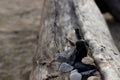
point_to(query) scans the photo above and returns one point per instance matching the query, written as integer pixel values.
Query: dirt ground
(19, 27)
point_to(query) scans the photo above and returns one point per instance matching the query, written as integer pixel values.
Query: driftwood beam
(96, 32)
(60, 21)
(57, 27)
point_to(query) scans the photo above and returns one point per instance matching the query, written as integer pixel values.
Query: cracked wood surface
(56, 25)
(99, 38)
(59, 19)
(19, 30)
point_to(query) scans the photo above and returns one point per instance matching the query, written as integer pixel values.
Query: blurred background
(19, 26)
(111, 12)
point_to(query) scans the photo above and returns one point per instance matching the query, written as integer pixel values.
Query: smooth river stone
(64, 67)
(75, 75)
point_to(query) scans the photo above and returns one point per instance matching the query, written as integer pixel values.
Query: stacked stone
(77, 62)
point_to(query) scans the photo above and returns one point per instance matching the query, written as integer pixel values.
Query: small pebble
(74, 75)
(93, 78)
(87, 60)
(64, 67)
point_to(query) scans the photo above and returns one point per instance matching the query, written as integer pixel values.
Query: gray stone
(66, 56)
(64, 67)
(74, 75)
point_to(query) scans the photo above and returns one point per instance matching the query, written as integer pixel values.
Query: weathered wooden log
(64, 20)
(96, 32)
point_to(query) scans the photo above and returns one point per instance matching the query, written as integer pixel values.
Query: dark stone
(81, 47)
(83, 67)
(77, 32)
(88, 73)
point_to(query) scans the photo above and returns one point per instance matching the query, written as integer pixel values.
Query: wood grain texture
(57, 26)
(96, 32)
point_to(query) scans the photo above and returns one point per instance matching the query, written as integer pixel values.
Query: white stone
(74, 75)
(93, 78)
(87, 60)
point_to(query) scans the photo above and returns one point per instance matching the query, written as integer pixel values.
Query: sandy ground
(19, 26)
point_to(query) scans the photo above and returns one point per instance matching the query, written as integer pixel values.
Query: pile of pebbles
(77, 62)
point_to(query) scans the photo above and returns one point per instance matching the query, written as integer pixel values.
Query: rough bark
(59, 21)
